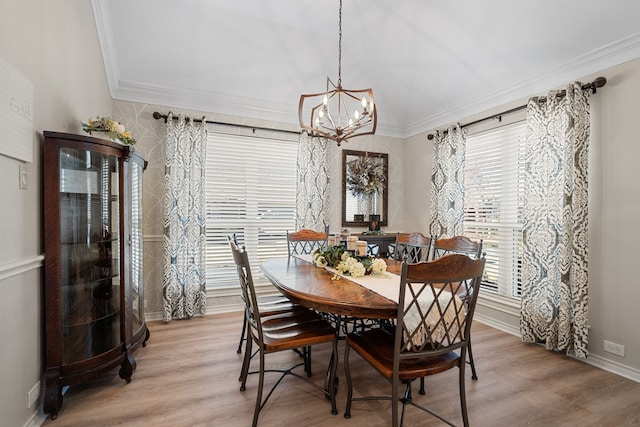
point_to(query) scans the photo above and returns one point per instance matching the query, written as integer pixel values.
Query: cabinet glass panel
(90, 253)
(136, 246)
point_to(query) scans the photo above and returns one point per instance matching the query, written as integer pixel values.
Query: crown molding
(593, 62)
(105, 36)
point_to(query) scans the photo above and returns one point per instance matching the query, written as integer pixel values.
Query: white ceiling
(428, 62)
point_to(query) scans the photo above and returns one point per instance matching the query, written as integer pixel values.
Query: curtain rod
(599, 82)
(165, 117)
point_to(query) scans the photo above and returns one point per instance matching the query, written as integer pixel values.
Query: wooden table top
(312, 287)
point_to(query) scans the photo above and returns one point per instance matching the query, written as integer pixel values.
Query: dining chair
(459, 245)
(281, 332)
(269, 305)
(305, 241)
(431, 334)
(415, 247)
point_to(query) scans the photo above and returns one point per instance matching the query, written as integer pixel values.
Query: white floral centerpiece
(347, 263)
(107, 125)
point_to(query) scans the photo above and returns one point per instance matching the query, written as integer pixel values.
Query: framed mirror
(365, 188)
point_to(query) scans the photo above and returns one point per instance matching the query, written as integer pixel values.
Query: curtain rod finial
(599, 82)
(159, 116)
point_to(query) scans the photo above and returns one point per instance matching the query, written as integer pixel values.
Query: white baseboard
(229, 308)
(613, 367)
(37, 419)
(501, 326)
(594, 360)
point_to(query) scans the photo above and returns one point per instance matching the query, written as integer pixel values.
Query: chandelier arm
(330, 118)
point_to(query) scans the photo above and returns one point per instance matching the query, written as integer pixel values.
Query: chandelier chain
(340, 46)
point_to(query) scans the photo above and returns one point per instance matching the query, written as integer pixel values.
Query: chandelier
(338, 113)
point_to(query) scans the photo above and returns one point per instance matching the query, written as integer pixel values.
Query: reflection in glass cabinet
(90, 253)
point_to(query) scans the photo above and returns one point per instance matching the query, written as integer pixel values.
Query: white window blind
(494, 185)
(250, 191)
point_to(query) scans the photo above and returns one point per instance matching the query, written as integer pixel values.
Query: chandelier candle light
(338, 113)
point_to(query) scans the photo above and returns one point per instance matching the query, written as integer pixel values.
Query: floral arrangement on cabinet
(114, 129)
(347, 263)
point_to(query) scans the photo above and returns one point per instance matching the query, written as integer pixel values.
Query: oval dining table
(310, 286)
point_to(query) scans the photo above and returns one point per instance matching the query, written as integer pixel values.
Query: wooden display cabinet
(93, 293)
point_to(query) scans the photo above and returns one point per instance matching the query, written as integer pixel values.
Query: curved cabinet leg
(128, 366)
(52, 399)
(147, 335)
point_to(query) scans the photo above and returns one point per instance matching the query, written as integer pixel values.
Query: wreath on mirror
(365, 175)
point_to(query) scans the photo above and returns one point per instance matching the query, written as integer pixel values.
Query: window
(250, 191)
(494, 186)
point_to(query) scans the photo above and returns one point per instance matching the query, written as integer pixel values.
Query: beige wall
(613, 210)
(55, 45)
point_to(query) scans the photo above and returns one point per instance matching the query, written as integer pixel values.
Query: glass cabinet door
(90, 253)
(137, 289)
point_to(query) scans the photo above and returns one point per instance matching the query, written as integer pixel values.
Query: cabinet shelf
(93, 296)
(87, 304)
(85, 340)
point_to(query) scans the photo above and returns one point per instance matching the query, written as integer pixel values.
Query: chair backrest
(252, 312)
(415, 247)
(306, 241)
(432, 319)
(458, 245)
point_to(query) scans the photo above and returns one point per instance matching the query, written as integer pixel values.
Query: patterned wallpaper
(150, 136)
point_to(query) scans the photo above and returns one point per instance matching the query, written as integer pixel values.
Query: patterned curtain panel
(312, 199)
(554, 279)
(184, 219)
(447, 183)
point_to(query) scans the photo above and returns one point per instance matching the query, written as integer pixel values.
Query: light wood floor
(187, 375)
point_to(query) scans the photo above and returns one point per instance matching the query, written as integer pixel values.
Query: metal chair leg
(242, 335)
(463, 395)
(473, 365)
(307, 360)
(244, 372)
(259, 402)
(347, 370)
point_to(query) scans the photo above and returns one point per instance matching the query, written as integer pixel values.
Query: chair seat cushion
(298, 335)
(294, 315)
(376, 346)
(273, 305)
